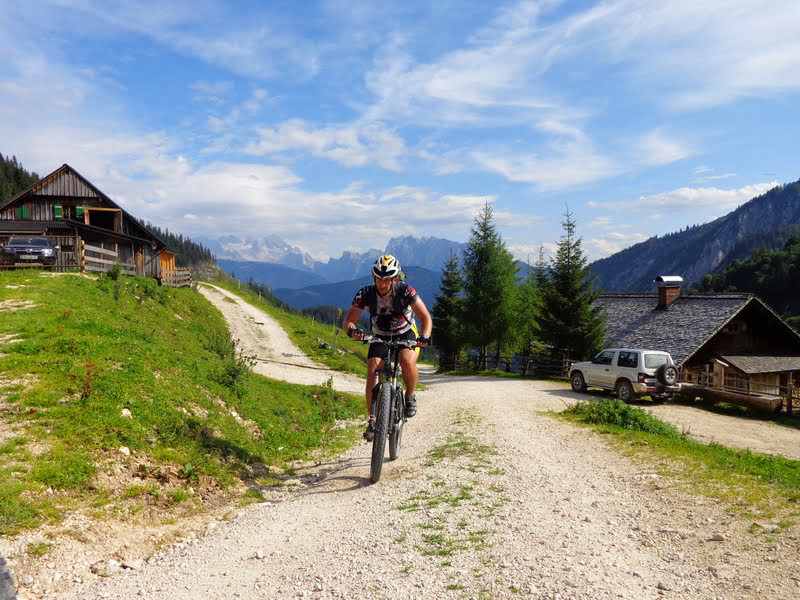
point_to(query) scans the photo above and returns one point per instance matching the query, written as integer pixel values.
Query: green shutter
(78, 212)
(57, 212)
(26, 211)
(19, 212)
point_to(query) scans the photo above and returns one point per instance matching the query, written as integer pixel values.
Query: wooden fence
(97, 259)
(179, 277)
(538, 365)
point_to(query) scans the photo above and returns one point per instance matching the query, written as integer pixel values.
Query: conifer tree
(448, 315)
(489, 287)
(570, 321)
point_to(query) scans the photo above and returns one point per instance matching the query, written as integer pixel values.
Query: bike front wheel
(381, 431)
(399, 419)
(6, 585)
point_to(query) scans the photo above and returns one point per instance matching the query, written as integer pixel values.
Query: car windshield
(653, 361)
(37, 242)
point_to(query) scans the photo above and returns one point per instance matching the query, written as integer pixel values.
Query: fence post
(81, 255)
(789, 396)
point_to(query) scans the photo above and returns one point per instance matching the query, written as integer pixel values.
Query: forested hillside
(773, 275)
(697, 251)
(14, 178)
(190, 254)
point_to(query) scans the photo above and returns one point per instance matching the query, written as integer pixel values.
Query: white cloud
(658, 149)
(610, 243)
(353, 144)
(688, 199)
(566, 167)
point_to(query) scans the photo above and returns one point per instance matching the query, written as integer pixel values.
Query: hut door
(139, 263)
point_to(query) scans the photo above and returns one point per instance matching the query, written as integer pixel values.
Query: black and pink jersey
(389, 316)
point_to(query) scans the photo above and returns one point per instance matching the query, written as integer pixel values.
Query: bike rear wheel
(381, 431)
(6, 585)
(398, 420)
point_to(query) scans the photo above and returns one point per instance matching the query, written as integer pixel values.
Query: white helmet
(386, 267)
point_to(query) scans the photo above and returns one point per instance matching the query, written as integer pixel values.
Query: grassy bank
(118, 393)
(754, 485)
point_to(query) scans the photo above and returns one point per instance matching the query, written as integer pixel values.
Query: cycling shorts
(379, 350)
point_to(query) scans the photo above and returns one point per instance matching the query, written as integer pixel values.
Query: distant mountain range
(273, 262)
(268, 273)
(341, 294)
(766, 221)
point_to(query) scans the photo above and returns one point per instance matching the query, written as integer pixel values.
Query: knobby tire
(398, 419)
(381, 431)
(6, 585)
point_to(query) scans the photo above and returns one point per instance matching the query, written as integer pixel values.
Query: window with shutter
(78, 212)
(24, 211)
(58, 213)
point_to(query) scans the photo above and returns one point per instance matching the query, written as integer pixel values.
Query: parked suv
(29, 250)
(629, 372)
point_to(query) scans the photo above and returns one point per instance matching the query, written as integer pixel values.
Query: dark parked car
(29, 250)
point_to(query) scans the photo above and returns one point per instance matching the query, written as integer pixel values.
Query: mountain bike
(388, 405)
(6, 585)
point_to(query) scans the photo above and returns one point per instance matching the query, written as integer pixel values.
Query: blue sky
(337, 125)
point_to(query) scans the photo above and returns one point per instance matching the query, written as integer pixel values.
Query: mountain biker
(392, 304)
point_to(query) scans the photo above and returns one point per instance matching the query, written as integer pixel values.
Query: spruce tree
(489, 287)
(448, 315)
(571, 323)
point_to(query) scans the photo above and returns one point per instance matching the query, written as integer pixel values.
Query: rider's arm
(351, 318)
(425, 321)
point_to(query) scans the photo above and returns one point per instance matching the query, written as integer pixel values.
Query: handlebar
(368, 339)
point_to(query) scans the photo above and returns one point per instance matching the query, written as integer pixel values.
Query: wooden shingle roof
(681, 329)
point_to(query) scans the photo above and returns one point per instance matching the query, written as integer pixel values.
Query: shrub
(114, 272)
(612, 411)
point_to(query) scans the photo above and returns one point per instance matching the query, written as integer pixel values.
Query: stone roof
(681, 329)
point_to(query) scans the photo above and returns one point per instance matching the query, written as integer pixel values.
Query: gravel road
(489, 499)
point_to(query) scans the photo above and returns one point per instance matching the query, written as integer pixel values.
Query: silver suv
(629, 372)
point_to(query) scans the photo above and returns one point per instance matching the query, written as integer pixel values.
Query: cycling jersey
(388, 316)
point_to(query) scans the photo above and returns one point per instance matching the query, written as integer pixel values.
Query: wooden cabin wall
(41, 209)
(152, 262)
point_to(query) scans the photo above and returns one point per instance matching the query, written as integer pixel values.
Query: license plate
(29, 257)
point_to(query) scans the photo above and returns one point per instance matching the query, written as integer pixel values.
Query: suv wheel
(577, 382)
(625, 391)
(667, 374)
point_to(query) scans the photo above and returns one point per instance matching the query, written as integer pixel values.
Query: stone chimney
(669, 288)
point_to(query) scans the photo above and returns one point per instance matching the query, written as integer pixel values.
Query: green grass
(37, 549)
(92, 347)
(750, 483)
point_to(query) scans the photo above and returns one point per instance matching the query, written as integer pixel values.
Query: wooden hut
(92, 231)
(731, 342)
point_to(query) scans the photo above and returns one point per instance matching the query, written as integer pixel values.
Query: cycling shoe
(411, 406)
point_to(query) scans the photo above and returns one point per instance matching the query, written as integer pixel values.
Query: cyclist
(392, 304)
